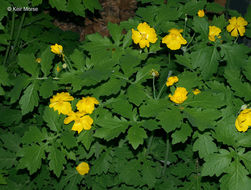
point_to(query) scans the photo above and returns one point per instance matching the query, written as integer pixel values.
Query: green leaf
(226, 132)
(202, 119)
(11, 142)
(236, 178)
(170, 119)
(115, 31)
(7, 159)
(130, 174)
(86, 138)
(149, 174)
(4, 80)
(77, 58)
(29, 99)
(246, 158)
(205, 145)
(32, 158)
(152, 107)
(111, 128)
(216, 164)
(181, 135)
(214, 7)
(206, 99)
(206, 59)
(20, 82)
(57, 160)
(188, 80)
(219, 21)
(52, 118)
(136, 136)
(234, 54)
(47, 87)
(68, 139)
(247, 68)
(122, 107)
(28, 63)
(36, 2)
(33, 135)
(58, 4)
(46, 61)
(127, 41)
(92, 4)
(76, 7)
(136, 94)
(200, 25)
(234, 79)
(103, 163)
(9, 116)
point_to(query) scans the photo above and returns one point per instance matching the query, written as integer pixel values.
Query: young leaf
(32, 158)
(170, 119)
(52, 118)
(68, 139)
(206, 59)
(29, 99)
(216, 164)
(28, 63)
(103, 163)
(136, 136)
(181, 135)
(246, 158)
(46, 61)
(57, 160)
(236, 178)
(33, 135)
(115, 31)
(205, 145)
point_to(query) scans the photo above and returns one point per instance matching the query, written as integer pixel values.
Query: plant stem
(149, 144)
(18, 33)
(154, 95)
(11, 37)
(236, 39)
(166, 156)
(185, 24)
(160, 92)
(68, 62)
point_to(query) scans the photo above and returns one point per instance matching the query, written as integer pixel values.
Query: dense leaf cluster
(140, 139)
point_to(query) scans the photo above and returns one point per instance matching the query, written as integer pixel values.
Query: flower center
(144, 35)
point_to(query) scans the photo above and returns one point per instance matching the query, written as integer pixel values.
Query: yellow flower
(201, 13)
(57, 49)
(171, 80)
(243, 120)
(214, 31)
(59, 102)
(174, 39)
(86, 105)
(144, 35)
(196, 91)
(83, 168)
(237, 25)
(38, 60)
(82, 121)
(180, 95)
(154, 73)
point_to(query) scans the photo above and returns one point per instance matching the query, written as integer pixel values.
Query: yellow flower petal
(243, 121)
(144, 36)
(214, 31)
(87, 104)
(237, 25)
(201, 13)
(83, 168)
(171, 80)
(179, 96)
(57, 49)
(174, 39)
(196, 91)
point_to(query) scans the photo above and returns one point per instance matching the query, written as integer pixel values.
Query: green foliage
(139, 138)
